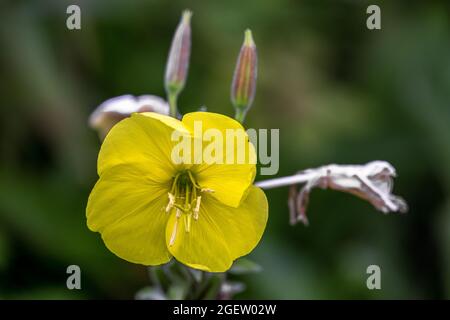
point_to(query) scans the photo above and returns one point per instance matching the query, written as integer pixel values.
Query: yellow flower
(149, 209)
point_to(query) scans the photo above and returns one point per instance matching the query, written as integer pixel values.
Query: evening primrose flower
(149, 208)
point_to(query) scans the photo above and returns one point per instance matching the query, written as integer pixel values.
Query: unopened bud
(178, 61)
(244, 80)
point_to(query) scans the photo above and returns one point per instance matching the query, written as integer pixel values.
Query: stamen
(187, 222)
(171, 202)
(174, 183)
(185, 200)
(197, 207)
(191, 177)
(174, 233)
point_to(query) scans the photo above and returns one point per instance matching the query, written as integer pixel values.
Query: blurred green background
(339, 93)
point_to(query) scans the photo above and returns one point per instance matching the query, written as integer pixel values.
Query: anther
(197, 207)
(184, 199)
(171, 202)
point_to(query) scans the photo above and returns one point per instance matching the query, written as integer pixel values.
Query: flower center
(184, 200)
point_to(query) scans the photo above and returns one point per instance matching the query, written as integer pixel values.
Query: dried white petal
(372, 182)
(115, 109)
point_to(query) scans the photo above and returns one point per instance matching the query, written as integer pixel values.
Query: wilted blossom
(107, 114)
(372, 182)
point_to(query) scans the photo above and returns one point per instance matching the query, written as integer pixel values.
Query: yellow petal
(231, 179)
(127, 208)
(144, 141)
(221, 234)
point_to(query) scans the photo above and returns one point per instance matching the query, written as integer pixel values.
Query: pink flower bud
(244, 81)
(178, 61)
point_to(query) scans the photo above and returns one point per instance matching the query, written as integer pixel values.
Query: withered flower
(372, 182)
(107, 114)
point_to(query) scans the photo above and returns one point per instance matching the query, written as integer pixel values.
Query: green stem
(154, 277)
(213, 285)
(173, 104)
(240, 115)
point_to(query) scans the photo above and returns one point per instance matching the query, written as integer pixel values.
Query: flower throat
(184, 200)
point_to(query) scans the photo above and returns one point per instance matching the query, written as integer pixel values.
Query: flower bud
(178, 61)
(244, 80)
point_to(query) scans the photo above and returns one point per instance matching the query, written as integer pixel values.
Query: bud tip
(248, 41)
(187, 14)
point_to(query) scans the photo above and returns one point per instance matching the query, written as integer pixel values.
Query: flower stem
(301, 177)
(173, 104)
(240, 115)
